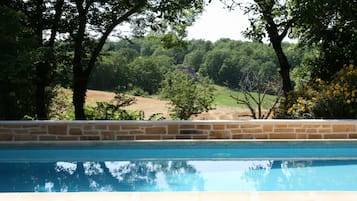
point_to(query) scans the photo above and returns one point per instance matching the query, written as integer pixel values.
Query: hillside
(151, 106)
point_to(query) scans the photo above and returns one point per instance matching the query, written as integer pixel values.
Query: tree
(101, 18)
(43, 18)
(187, 96)
(41, 22)
(254, 91)
(213, 63)
(272, 18)
(194, 59)
(147, 74)
(330, 26)
(16, 72)
(112, 71)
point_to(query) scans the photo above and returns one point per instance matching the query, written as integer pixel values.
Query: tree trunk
(42, 70)
(79, 95)
(284, 69)
(276, 41)
(81, 69)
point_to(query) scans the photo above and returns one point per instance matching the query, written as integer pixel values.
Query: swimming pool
(214, 166)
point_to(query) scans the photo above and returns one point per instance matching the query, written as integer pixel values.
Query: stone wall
(168, 130)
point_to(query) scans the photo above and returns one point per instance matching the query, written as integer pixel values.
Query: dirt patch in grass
(152, 106)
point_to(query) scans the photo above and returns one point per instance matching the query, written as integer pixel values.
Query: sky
(217, 22)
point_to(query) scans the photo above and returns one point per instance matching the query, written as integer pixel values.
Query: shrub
(187, 96)
(61, 107)
(334, 99)
(113, 110)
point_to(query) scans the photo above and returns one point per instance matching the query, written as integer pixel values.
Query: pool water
(179, 166)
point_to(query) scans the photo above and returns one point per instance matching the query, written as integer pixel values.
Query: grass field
(226, 107)
(224, 99)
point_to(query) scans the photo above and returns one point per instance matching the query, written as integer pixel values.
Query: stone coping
(176, 130)
(184, 196)
(178, 121)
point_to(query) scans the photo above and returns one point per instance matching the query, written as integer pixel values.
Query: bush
(113, 110)
(334, 99)
(187, 96)
(61, 107)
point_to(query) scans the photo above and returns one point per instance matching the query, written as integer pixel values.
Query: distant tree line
(141, 64)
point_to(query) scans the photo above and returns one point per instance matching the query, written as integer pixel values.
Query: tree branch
(105, 35)
(286, 29)
(57, 17)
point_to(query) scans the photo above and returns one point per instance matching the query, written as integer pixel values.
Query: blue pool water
(179, 166)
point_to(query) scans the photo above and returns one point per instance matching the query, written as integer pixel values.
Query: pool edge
(187, 196)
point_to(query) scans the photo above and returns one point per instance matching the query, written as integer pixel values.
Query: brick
(267, 128)
(183, 137)
(200, 137)
(136, 132)
(204, 127)
(124, 137)
(5, 131)
(172, 129)
(89, 137)
(88, 127)
(301, 136)
(29, 126)
(219, 127)
(100, 127)
(236, 131)
(130, 127)
(326, 126)
(108, 135)
(6, 137)
(155, 130)
(243, 136)
(38, 133)
(68, 138)
(324, 130)
(250, 126)
(343, 128)
(114, 127)
(300, 130)
(47, 138)
(352, 136)
(57, 129)
(186, 126)
(282, 136)
(75, 131)
(311, 130)
(219, 135)
(148, 137)
(90, 132)
(168, 137)
(14, 126)
(20, 131)
(294, 125)
(261, 136)
(252, 130)
(312, 126)
(284, 130)
(280, 126)
(232, 126)
(314, 136)
(25, 138)
(335, 136)
(192, 132)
